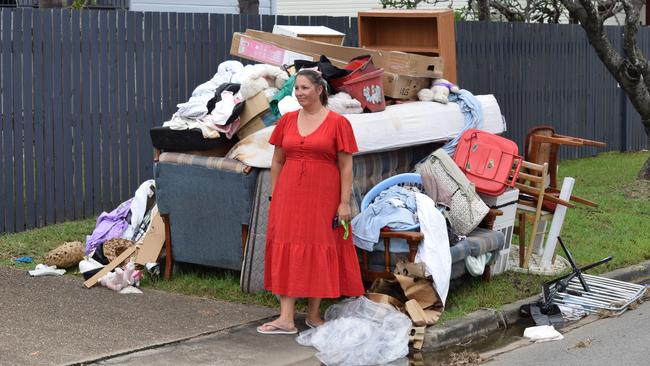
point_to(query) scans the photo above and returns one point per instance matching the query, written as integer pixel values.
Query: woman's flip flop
(275, 329)
(310, 324)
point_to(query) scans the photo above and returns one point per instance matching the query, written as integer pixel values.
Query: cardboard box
(391, 61)
(254, 107)
(265, 52)
(403, 87)
(315, 33)
(250, 119)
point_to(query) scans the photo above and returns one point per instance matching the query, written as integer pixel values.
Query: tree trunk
(249, 7)
(52, 3)
(484, 10)
(644, 173)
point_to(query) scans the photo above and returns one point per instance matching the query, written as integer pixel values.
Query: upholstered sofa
(208, 202)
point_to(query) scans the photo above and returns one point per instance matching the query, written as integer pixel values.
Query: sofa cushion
(230, 165)
(478, 242)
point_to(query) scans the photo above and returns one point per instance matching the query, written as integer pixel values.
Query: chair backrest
(530, 181)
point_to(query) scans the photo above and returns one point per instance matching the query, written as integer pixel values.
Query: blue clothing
(394, 207)
(473, 111)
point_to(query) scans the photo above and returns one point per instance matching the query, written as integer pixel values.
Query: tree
(630, 68)
(249, 7)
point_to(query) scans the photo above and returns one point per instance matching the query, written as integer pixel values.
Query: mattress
(399, 125)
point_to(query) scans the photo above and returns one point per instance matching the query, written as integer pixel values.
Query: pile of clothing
(216, 105)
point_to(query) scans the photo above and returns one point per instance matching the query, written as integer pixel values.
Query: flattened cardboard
(391, 61)
(265, 52)
(250, 127)
(384, 299)
(92, 281)
(415, 312)
(403, 86)
(421, 290)
(410, 269)
(153, 240)
(254, 107)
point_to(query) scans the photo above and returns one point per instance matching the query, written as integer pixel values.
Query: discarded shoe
(274, 329)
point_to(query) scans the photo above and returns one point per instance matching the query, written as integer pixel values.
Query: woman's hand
(344, 211)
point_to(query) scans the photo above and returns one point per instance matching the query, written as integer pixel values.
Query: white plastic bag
(359, 332)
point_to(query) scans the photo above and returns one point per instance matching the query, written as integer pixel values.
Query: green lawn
(620, 227)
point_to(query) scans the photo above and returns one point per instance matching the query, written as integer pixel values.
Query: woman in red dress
(311, 181)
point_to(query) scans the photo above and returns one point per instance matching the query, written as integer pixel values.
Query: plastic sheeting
(359, 332)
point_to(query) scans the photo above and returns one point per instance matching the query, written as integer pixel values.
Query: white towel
(434, 249)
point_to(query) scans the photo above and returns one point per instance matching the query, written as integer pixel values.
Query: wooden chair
(413, 239)
(542, 146)
(533, 194)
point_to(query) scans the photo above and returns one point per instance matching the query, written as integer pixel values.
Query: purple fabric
(109, 226)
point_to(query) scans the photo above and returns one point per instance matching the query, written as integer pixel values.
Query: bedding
(400, 125)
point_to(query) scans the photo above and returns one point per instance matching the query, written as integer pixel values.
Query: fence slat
(96, 75)
(144, 145)
(133, 117)
(76, 116)
(173, 59)
(181, 52)
(67, 121)
(213, 48)
(105, 157)
(208, 64)
(158, 117)
(113, 114)
(57, 91)
(48, 115)
(86, 105)
(7, 127)
(122, 117)
(188, 62)
(39, 168)
(3, 214)
(17, 73)
(28, 124)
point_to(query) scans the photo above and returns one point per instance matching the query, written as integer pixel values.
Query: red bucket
(367, 89)
(364, 83)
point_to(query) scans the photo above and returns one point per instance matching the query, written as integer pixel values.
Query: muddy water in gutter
(468, 353)
(497, 342)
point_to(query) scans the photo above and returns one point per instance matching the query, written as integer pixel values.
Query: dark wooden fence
(81, 89)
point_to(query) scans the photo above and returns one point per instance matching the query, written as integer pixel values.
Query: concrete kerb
(482, 322)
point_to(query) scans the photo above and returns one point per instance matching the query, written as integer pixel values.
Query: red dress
(305, 257)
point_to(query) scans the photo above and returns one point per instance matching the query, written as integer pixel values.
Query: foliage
(78, 4)
(404, 4)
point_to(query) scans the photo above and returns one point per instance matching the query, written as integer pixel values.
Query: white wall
(196, 6)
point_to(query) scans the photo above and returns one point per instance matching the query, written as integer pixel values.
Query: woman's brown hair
(316, 79)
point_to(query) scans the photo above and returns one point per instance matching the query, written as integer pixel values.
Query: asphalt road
(611, 341)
